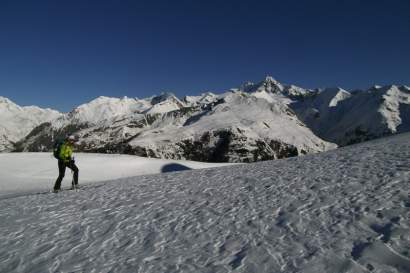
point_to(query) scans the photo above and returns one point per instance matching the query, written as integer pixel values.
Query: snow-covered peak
(397, 88)
(399, 92)
(393, 98)
(8, 107)
(340, 96)
(165, 102)
(332, 96)
(386, 88)
(202, 99)
(165, 96)
(270, 79)
(4, 100)
(269, 85)
(106, 108)
(296, 91)
(101, 100)
(17, 121)
(10, 111)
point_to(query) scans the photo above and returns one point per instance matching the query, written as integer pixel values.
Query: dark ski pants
(61, 172)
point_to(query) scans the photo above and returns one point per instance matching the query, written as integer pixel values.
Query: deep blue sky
(62, 53)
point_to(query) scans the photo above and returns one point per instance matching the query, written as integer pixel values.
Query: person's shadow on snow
(174, 167)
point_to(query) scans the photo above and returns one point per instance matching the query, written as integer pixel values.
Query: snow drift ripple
(344, 210)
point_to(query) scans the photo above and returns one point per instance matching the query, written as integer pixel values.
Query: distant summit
(272, 86)
(269, 84)
(17, 121)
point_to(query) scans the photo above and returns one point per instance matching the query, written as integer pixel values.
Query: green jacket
(65, 152)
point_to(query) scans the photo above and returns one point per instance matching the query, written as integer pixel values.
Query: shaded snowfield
(346, 210)
(34, 172)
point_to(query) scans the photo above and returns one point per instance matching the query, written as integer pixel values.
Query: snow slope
(345, 210)
(22, 172)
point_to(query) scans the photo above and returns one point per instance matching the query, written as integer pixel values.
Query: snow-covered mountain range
(254, 122)
(348, 117)
(16, 121)
(235, 126)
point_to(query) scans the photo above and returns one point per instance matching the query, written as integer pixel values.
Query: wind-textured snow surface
(346, 210)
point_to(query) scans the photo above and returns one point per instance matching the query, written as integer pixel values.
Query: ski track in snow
(346, 210)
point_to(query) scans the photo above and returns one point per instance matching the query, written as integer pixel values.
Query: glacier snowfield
(345, 210)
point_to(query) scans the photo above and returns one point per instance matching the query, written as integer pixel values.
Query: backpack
(57, 148)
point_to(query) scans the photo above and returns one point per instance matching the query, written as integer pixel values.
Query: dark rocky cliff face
(225, 145)
(43, 137)
(216, 146)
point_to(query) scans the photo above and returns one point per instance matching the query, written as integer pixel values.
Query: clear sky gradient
(60, 54)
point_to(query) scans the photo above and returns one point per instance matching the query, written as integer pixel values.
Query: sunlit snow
(345, 210)
(22, 172)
